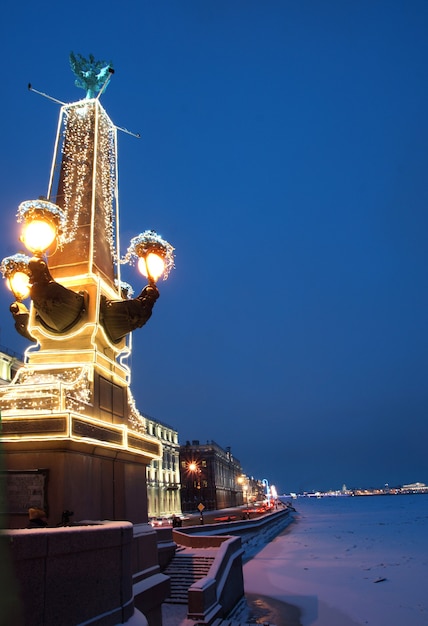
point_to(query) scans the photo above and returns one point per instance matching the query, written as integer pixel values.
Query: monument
(73, 440)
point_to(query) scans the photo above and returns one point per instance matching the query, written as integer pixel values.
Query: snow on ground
(345, 562)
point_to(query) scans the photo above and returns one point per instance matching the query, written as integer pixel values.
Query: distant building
(10, 362)
(254, 490)
(163, 476)
(414, 488)
(209, 476)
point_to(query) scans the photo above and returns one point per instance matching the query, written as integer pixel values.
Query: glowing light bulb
(154, 255)
(151, 266)
(192, 467)
(19, 284)
(38, 235)
(15, 271)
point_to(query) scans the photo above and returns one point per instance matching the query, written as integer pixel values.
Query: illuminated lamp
(155, 258)
(44, 223)
(17, 274)
(57, 308)
(155, 255)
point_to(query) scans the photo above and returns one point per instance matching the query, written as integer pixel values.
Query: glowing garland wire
(77, 151)
(47, 389)
(106, 165)
(16, 263)
(137, 420)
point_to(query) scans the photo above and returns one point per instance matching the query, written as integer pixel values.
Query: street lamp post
(245, 487)
(243, 482)
(265, 484)
(70, 407)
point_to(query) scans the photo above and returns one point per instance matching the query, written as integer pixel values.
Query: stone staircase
(231, 622)
(184, 570)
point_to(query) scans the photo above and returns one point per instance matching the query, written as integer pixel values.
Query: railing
(219, 592)
(216, 594)
(265, 525)
(226, 571)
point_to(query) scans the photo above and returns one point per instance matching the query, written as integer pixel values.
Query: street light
(265, 484)
(243, 481)
(44, 224)
(245, 488)
(17, 274)
(274, 495)
(57, 308)
(155, 255)
(155, 259)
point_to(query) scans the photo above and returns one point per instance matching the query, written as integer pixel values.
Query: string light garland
(125, 289)
(138, 421)
(15, 263)
(106, 166)
(45, 391)
(77, 149)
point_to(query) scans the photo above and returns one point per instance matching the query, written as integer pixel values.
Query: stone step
(190, 560)
(178, 567)
(231, 622)
(183, 571)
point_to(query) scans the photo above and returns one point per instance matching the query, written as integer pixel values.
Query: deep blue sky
(284, 154)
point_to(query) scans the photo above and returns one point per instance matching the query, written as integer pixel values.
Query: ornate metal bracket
(120, 317)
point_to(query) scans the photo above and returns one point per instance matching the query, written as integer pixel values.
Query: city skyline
(283, 153)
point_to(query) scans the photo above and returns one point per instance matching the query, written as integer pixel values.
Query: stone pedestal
(92, 467)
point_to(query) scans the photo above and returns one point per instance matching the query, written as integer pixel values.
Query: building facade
(254, 490)
(163, 475)
(209, 477)
(414, 488)
(10, 362)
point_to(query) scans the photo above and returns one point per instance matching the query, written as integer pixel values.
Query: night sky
(284, 154)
